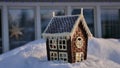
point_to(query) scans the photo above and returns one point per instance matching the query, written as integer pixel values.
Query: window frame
(53, 39)
(107, 8)
(62, 44)
(22, 8)
(61, 58)
(53, 57)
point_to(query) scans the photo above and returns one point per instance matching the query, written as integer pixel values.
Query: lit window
(53, 44)
(79, 56)
(63, 56)
(53, 55)
(62, 44)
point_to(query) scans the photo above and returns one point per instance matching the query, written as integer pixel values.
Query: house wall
(47, 48)
(38, 6)
(57, 39)
(79, 32)
(69, 50)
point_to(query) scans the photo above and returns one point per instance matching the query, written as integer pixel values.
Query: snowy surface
(102, 53)
(105, 49)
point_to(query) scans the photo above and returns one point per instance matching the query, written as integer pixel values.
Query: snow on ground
(102, 53)
(105, 49)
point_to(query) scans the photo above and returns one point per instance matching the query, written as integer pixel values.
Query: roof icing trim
(55, 35)
(81, 18)
(48, 25)
(86, 28)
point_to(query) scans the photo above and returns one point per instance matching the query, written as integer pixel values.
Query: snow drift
(102, 53)
(105, 48)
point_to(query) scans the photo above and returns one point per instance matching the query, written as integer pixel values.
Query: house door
(79, 56)
(0, 33)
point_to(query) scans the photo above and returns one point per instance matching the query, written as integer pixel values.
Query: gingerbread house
(66, 38)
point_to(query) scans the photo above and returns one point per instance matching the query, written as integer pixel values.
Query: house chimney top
(53, 13)
(81, 11)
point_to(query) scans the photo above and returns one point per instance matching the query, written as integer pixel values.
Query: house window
(63, 56)
(53, 55)
(0, 33)
(79, 56)
(79, 42)
(62, 43)
(21, 26)
(89, 17)
(110, 22)
(53, 44)
(46, 15)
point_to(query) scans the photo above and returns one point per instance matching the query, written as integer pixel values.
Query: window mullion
(98, 24)
(38, 23)
(5, 29)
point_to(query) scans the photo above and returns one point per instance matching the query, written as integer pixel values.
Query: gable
(81, 23)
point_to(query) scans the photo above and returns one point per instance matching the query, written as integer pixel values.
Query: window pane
(89, 17)
(52, 44)
(110, 23)
(21, 27)
(0, 33)
(63, 56)
(53, 55)
(46, 15)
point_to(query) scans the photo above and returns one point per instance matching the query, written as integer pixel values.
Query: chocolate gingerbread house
(66, 38)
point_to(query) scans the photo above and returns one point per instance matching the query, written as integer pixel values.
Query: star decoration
(16, 31)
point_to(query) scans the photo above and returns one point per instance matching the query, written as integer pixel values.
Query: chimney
(53, 14)
(81, 11)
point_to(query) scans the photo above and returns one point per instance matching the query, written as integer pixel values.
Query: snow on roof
(65, 25)
(61, 24)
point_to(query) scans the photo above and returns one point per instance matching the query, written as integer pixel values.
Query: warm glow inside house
(22, 21)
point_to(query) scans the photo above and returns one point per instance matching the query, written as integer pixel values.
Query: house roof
(59, 0)
(61, 24)
(65, 25)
